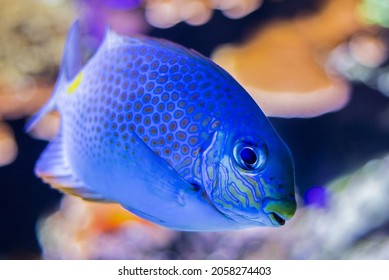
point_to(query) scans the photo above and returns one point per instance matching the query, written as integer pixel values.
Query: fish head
(249, 177)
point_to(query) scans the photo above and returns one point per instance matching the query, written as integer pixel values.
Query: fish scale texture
(170, 101)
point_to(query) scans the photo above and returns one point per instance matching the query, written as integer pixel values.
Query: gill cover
(229, 189)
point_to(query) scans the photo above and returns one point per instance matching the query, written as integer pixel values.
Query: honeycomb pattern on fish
(171, 102)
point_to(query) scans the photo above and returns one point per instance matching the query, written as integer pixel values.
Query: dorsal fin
(71, 64)
(73, 58)
(113, 39)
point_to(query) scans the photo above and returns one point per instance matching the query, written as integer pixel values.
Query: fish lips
(275, 213)
(272, 213)
(269, 211)
(279, 210)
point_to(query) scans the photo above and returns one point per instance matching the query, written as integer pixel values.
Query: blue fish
(166, 133)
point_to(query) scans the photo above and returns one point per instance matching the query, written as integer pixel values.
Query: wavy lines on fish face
(235, 174)
(226, 188)
(236, 197)
(221, 199)
(211, 157)
(242, 192)
(248, 158)
(247, 197)
(232, 190)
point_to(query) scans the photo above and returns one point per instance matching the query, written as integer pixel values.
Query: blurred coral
(356, 219)
(166, 13)
(88, 230)
(283, 66)
(362, 59)
(123, 16)
(47, 127)
(8, 147)
(375, 12)
(31, 43)
(19, 103)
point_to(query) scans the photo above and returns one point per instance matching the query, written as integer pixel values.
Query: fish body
(166, 133)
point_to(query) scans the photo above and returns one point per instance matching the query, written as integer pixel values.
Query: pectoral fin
(155, 191)
(54, 169)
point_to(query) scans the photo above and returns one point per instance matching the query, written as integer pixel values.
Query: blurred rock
(353, 225)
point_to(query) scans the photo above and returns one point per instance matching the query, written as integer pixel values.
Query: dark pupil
(248, 156)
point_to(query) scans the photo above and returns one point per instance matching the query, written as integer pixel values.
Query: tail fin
(72, 63)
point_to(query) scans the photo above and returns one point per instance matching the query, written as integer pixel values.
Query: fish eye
(250, 157)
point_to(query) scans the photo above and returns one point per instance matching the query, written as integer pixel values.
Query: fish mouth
(276, 219)
(279, 211)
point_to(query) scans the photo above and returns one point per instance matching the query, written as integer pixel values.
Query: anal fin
(54, 169)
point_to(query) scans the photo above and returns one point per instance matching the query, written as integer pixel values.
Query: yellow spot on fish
(75, 84)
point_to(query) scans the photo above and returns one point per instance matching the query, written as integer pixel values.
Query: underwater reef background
(319, 69)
